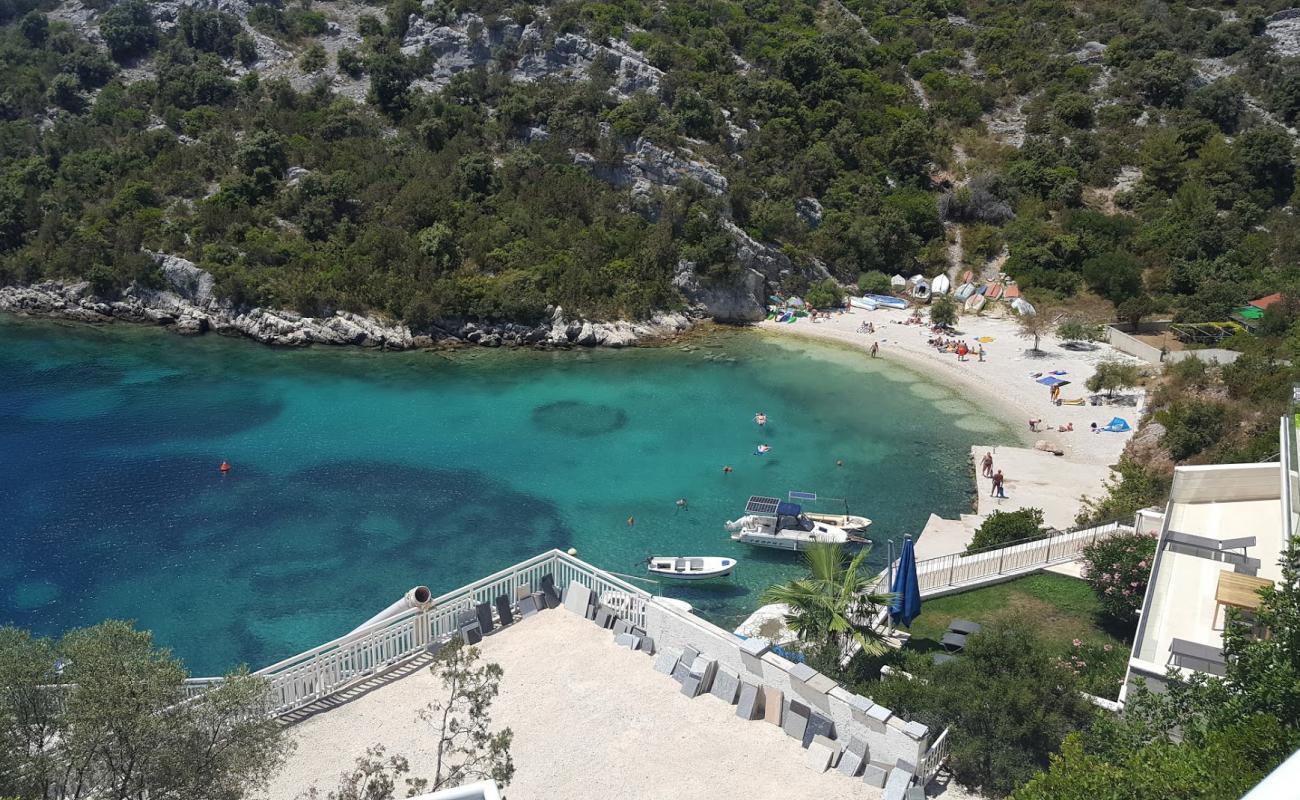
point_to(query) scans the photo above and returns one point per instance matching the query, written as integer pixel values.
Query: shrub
(128, 29)
(1113, 375)
(349, 62)
(874, 282)
(313, 59)
(1117, 569)
(1192, 426)
(1075, 330)
(943, 311)
(1003, 527)
(824, 294)
(1009, 703)
(978, 201)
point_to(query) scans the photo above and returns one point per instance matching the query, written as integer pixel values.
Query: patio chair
(818, 725)
(964, 627)
(484, 613)
(726, 686)
(795, 720)
(1238, 544)
(503, 610)
(953, 641)
(1249, 566)
(1200, 657)
(749, 706)
(550, 595)
(854, 758)
(467, 625)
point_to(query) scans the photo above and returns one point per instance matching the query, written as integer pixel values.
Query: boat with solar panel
(785, 525)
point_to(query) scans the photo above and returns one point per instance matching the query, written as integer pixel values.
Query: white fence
(934, 758)
(322, 671)
(966, 570)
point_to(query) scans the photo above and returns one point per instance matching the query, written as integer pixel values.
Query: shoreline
(187, 305)
(1002, 385)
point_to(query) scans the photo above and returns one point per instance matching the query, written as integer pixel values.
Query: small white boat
(886, 300)
(921, 290)
(865, 303)
(964, 291)
(849, 522)
(940, 284)
(691, 568)
(975, 302)
(770, 522)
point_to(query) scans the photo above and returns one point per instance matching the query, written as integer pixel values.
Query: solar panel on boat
(762, 505)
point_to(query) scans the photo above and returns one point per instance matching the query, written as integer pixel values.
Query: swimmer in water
(726, 470)
(760, 418)
(839, 462)
(631, 521)
(762, 448)
(681, 503)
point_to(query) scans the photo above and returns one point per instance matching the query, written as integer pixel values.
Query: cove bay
(356, 475)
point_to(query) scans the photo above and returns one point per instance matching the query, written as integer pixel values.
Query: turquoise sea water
(357, 475)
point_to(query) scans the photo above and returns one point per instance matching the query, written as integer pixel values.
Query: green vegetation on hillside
(424, 205)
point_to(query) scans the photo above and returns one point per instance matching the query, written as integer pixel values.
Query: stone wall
(889, 738)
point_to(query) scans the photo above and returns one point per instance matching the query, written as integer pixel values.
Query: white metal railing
(933, 759)
(960, 569)
(322, 671)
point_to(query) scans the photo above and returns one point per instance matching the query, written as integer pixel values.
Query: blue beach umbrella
(907, 589)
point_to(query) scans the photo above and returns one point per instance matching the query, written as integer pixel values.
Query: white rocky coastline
(188, 306)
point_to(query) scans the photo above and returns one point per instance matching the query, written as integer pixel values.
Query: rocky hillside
(440, 164)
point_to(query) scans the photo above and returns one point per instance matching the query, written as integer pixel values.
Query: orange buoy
(225, 466)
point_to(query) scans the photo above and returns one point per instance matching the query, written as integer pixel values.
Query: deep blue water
(357, 475)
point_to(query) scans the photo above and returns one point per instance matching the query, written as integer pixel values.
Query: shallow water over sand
(356, 475)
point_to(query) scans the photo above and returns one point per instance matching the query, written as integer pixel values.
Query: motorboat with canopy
(784, 525)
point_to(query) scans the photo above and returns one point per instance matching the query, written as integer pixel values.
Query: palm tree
(833, 605)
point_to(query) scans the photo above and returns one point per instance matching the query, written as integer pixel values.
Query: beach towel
(1073, 401)
(1116, 425)
(1057, 372)
(1052, 380)
(985, 339)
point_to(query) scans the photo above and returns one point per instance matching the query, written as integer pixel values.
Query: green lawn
(1060, 609)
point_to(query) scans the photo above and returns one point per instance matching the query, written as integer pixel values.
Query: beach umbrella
(1052, 380)
(907, 588)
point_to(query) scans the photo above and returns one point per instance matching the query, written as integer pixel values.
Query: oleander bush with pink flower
(1117, 569)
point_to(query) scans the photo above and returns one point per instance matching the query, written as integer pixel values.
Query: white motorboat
(691, 568)
(849, 522)
(770, 522)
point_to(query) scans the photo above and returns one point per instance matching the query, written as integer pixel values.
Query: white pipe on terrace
(417, 597)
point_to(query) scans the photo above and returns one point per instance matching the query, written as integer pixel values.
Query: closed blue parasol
(907, 589)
